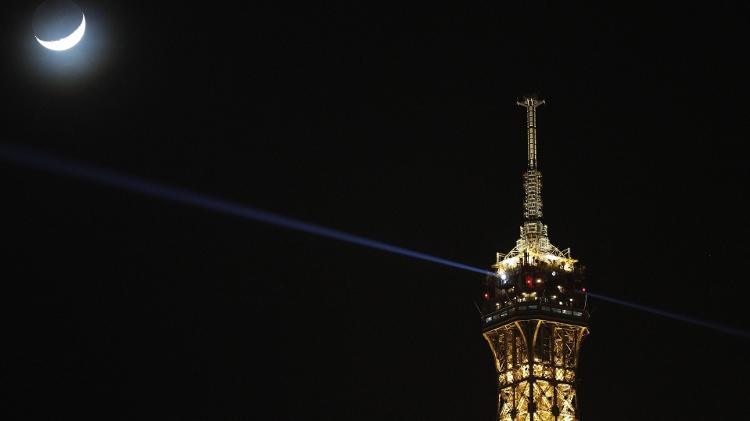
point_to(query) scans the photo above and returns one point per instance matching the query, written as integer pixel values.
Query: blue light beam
(111, 178)
(675, 316)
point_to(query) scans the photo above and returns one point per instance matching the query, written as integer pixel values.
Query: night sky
(397, 123)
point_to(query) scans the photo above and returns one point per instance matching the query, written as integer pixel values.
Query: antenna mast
(532, 179)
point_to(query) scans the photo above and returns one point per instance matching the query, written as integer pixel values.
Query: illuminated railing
(523, 309)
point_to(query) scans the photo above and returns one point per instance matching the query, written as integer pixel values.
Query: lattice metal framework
(536, 363)
(534, 312)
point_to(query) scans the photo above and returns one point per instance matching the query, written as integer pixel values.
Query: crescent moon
(67, 42)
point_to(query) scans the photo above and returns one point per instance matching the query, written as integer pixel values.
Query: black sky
(393, 122)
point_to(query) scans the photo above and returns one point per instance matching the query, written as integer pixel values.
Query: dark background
(393, 122)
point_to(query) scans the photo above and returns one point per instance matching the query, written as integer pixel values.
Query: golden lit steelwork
(534, 312)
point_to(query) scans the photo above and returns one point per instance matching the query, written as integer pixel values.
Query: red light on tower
(529, 280)
(486, 295)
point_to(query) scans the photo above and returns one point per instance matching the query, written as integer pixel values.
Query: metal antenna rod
(531, 103)
(532, 179)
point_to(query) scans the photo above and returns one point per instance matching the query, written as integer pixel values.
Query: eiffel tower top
(533, 246)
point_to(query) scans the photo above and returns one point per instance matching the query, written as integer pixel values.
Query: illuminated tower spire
(532, 179)
(534, 312)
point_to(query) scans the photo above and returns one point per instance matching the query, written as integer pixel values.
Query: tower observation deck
(534, 311)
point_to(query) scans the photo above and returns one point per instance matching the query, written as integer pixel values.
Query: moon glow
(67, 42)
